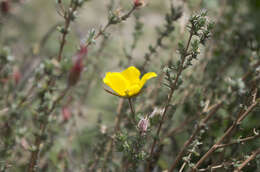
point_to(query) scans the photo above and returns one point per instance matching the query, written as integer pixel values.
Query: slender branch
(182, 125)
(250, 158)
(228, 132)
(167, 105)
(38, 139)
(194, 134)
(67, 16)
(171, 94)
(109, 23)
(215, 167)
(163, 35)
(96, 70)
(64, 35)
(47, 35)
(185, 163)
(131, 106)
(239, 141)
(243, 140)
(34, 156)
(127, 15)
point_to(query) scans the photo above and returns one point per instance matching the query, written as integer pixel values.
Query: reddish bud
(143, 125)
(66, 114)
(16, 75)
(5, 6)
(78, 66)
(138, 3)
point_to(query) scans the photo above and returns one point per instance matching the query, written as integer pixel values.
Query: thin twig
(124, 17)
(38, 139)
(228, 132)
(131, 106)
(211, 168)
(194, 134)
(167, 105)
(238, 141)
(250, 158)
(68, 16)
(185, 163)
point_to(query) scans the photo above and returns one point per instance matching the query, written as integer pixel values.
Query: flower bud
(5, 6)
(78, 66)
(16, 75)
(138, 3)
(66, 114)
(143, 125)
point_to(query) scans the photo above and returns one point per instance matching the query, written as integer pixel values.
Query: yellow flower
(127, 83)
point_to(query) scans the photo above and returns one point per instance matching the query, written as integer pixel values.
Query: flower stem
(132, 108)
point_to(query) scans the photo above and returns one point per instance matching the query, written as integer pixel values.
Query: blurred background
(28, 32)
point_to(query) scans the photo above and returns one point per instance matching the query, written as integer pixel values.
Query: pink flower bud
(66, 114)
(143, 125)
(138, 3)
(78, 65)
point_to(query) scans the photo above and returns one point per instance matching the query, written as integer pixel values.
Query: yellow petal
(132, 74)
(117, 82)
(147, 76)
(133, 90)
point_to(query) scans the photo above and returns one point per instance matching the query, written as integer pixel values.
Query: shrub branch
(228, 132)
